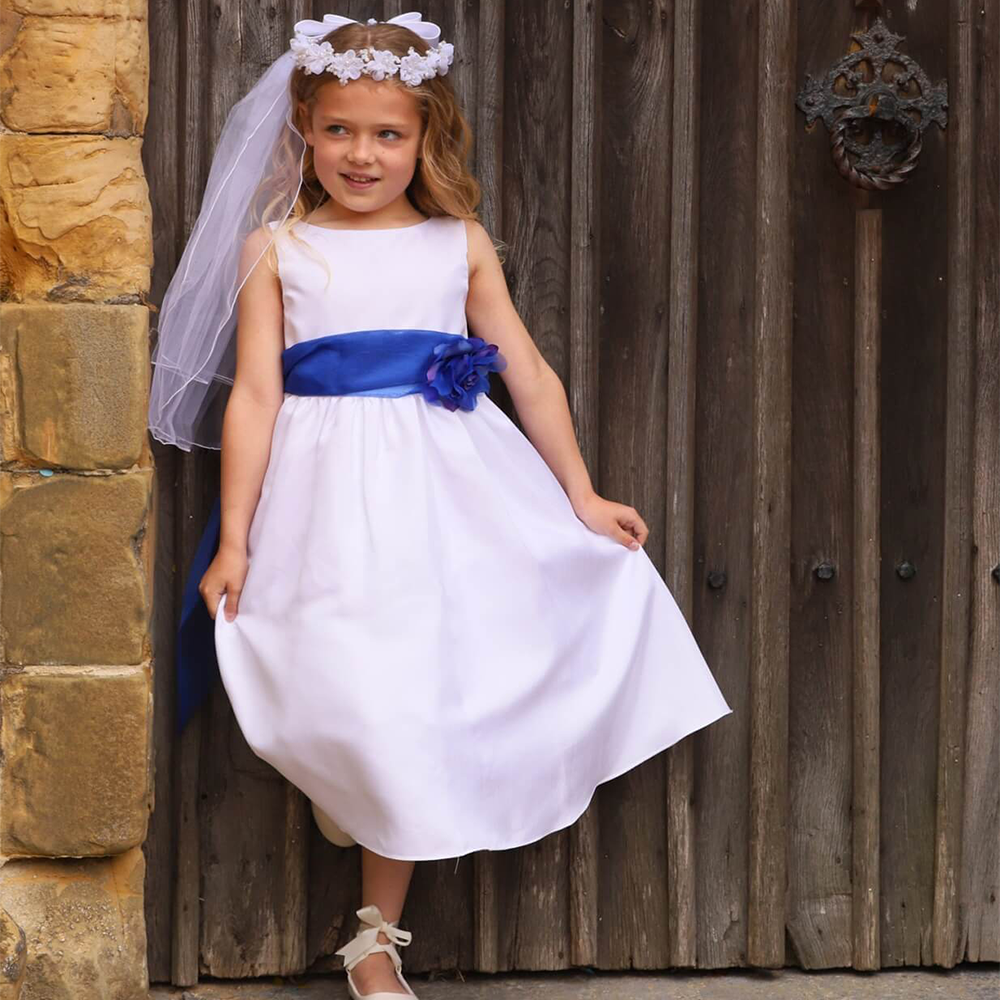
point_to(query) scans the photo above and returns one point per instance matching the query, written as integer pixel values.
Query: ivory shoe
(329, 829)
(366, 941)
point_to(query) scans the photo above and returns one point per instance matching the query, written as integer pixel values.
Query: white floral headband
(317, 57)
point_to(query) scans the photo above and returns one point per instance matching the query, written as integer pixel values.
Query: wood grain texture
(723, 511)
(254, 851)
(583, 389)
(160, 155)
(826, 482)
(186, 898)
(637, 56)
(537, 102)
(489, 116)
(771, 489)
(193, 172)
(864, 927)
(956, 582)
(334, 896)
(913, 379)
(159, 848)
(197, 480)
(979, 907)
(682, 278)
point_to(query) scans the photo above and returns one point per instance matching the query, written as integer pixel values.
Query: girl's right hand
(225, 575)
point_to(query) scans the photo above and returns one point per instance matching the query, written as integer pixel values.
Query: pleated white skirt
(431, 645)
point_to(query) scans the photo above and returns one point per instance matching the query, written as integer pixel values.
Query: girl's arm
(538, 393)
(257, 394)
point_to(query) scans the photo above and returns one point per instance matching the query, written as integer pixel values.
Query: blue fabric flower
(461, 371)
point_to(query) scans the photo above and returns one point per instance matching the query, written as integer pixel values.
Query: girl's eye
(389, 130)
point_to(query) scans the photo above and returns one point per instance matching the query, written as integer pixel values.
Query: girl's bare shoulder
(253, 252)
(482, 250)
(257, 239)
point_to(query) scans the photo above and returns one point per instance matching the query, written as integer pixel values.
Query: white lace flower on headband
(316, 57)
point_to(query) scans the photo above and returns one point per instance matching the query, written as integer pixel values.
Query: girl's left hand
(616, 520)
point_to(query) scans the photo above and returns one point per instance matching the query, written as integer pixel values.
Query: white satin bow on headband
(317, 57)
(427, 30)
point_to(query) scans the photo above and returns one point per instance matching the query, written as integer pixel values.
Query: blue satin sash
(361, 363)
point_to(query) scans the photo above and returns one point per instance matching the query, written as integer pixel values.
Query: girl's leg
(384, 882)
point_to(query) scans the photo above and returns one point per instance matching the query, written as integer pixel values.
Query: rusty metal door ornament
(876, 103)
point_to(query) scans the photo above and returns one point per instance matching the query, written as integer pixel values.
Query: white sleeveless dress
(430, 644)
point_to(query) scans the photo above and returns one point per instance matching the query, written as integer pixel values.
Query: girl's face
(368, 127)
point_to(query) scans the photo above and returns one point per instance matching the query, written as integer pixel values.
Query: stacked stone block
(76, 491)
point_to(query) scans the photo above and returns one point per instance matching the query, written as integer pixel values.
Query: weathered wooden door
(785, 355)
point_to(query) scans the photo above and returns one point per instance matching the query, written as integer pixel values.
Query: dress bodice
(342, 280)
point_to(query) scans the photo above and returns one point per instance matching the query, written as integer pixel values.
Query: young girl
(429, 623)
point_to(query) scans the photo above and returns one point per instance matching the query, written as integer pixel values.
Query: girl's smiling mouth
(359, 184)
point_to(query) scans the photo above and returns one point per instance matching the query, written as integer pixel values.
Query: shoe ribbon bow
(361, 944)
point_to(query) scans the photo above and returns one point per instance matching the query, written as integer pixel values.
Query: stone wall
(76, 488)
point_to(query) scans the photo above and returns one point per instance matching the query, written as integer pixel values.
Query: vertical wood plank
(637, 54)
(979, 909)
(160, 156)
(253, 837)
(489, 150)
(914, 365)
(957, 561)
(723, 515)
(191, 511)
(679, 472)
(193, 503)
(536, 162)
(186, 900)
(823, 564)
(293, 874)
(160, 848)
(334, 896)
(867, 555)
(583, 388)
(771, 492)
